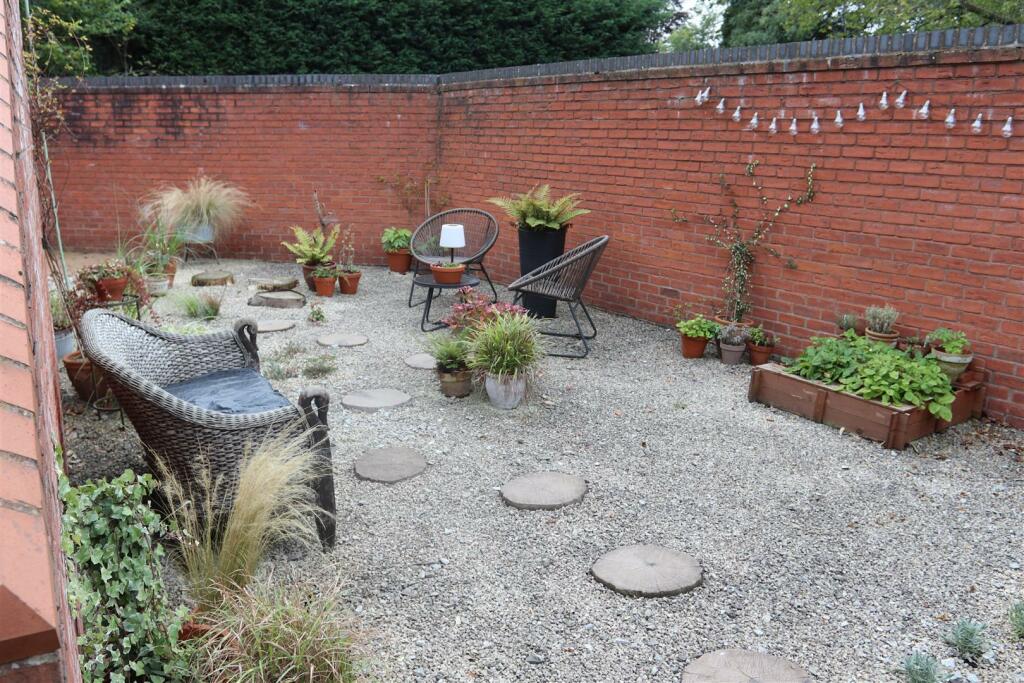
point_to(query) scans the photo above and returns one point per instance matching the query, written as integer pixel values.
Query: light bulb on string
(951, 118)
(773, 127)
(815, 126)
(1008, 127)
(884, 102)
(754, 122)
(705, 95)
(737, 115)
(839, 119)
(976, 126)
(861, 114)
(792, 127)
(924, 111)
(721, 106)
(901, 101)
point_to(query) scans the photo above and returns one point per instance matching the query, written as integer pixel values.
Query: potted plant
(324, 278)
(156, 253)
(202, 212)
(396, 246)
(63, 333)
(348, 274)
(732, 342)
(447, 273)
(951, 351)
(542, 224)
(504, 351)
(312, 249)
(108, 279)
(695, 334)
(760, 345)
(879, 324)
(452, 355)
(847, 321)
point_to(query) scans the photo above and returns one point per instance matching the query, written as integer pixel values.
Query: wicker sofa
(157, 377)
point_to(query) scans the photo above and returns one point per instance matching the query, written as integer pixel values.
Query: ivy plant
(114, 582)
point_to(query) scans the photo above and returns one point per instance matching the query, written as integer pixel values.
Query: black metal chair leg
(589, 320)
(412, 285)
(487, 277)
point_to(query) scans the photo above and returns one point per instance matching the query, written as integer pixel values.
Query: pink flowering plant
(473, 310)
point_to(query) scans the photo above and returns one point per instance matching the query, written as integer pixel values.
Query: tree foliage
(74, 36)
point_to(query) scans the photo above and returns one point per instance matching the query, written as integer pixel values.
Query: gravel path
(819, 547)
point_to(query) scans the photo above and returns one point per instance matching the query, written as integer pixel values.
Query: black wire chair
(481, 232)
(563, 279)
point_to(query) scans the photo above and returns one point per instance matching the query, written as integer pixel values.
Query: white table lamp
(453, 236)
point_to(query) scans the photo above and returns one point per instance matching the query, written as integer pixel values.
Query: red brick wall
(907, 212)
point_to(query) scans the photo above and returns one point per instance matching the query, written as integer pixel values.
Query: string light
(815, 126)
(773, 128)
(861, 114)
(839, 119)
(721, 106)
(976, 126)
(901, 101)
(736, 115)
(884, 102)
(925, 109)
(951, 118)
(1008, 127)
(792, 127)
(753, 122)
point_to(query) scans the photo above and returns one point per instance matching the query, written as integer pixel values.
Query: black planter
(537, 247)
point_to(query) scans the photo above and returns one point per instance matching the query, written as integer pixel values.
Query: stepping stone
(341, 339)
(281, 284)
(212, 278)
(278, 299)
(389, 465)
(742, 666)
(544, 491)
(372, 400)
(421, 361)
(265, 326)
(647, 571)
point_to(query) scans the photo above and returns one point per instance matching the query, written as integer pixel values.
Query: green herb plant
(758, 337)
(1016, 618)
(881, 318)
(950, 341)
(450, 351)
(312, 247)
(316, 314)
(395, 239)
(447, 265)
(323, 271)
(698, 327)
(967, 637)
(920, 667)
(59, 312)
(535, 210)
(846, 321)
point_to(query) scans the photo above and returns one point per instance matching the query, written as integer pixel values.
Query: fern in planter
(535, 210)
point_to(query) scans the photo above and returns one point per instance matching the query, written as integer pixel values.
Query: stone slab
(341, 339)
(389, 465)
(742, 666)
(544, 491)
(648, 571)
(421, 361)
(212, 278)
(278, 299)
(264, 326)
(281, 284)
(372, 400)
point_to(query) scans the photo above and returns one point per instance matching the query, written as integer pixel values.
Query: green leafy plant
(325, 272)
(758, 337)
(697, 327)
(200, 306)
(111, 268)
(1016, 617)
(445, 265)
(219, 549)
(316, 314)
(846, 321)
(395, 239)
(266, 632)
(115, 585)
(535, 210)
(203, 201)
(319, 366)
(59, 312)
(730, 232)
(312, 247)
(473, 309)
(451, 352)
(881, 319)
(506, 346)
(948, 340)
(968, 639)
(920, 667)
(155, 248)
(734, 335)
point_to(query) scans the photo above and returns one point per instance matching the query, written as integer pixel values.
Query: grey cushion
(239, 391)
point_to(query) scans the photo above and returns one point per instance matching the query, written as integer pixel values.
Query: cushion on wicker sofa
(237, 391)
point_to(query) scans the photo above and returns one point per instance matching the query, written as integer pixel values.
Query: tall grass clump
(200, 306)
(273, 633)
(505, 347)
(203, 201)
(220, 547)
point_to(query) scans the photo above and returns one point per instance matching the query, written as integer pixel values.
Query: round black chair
(481, 230)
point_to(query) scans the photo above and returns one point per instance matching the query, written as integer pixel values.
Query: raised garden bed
(894, 426)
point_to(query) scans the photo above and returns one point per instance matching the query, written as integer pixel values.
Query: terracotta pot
(111, 288)
(399, 261)
(455, 383)
(80, 372)
(953, 364)
(448, 276)
(324, 286)
(693, 347)
(860, 327)
(732, 354)
(348, 283)
(172, 268)
(889, 338)
(307, 273)
(505, 394)
(759, 355)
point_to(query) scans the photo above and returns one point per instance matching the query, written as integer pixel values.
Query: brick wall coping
(950, 40)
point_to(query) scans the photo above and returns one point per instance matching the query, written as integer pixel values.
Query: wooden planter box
(894, 426)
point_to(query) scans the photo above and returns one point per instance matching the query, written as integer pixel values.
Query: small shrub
(881, 319)
(316, 314)
(319, 366)
(1017, 620)
(950, 341)
(921, 667)
(735, 335)
(59, 312)
(847, 321)
(114, 581)
(758, 337)
(395, 239)
(272, 633)
(968, 639)
(450, 352)
(313, 247)
(505, 347)
(697, 327)
(219, 549)
(474, 310)
(200, 306)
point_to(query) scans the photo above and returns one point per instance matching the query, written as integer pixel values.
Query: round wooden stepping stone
(372, 400)
(544, 491)
(280, 284)
(743, 666)
(278, 299)
(389, 465)
(274, 325)
(647, 571)
(341, 339)
(212, 278)
(421, 361)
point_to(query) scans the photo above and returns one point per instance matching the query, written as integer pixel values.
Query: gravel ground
(819, 547)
